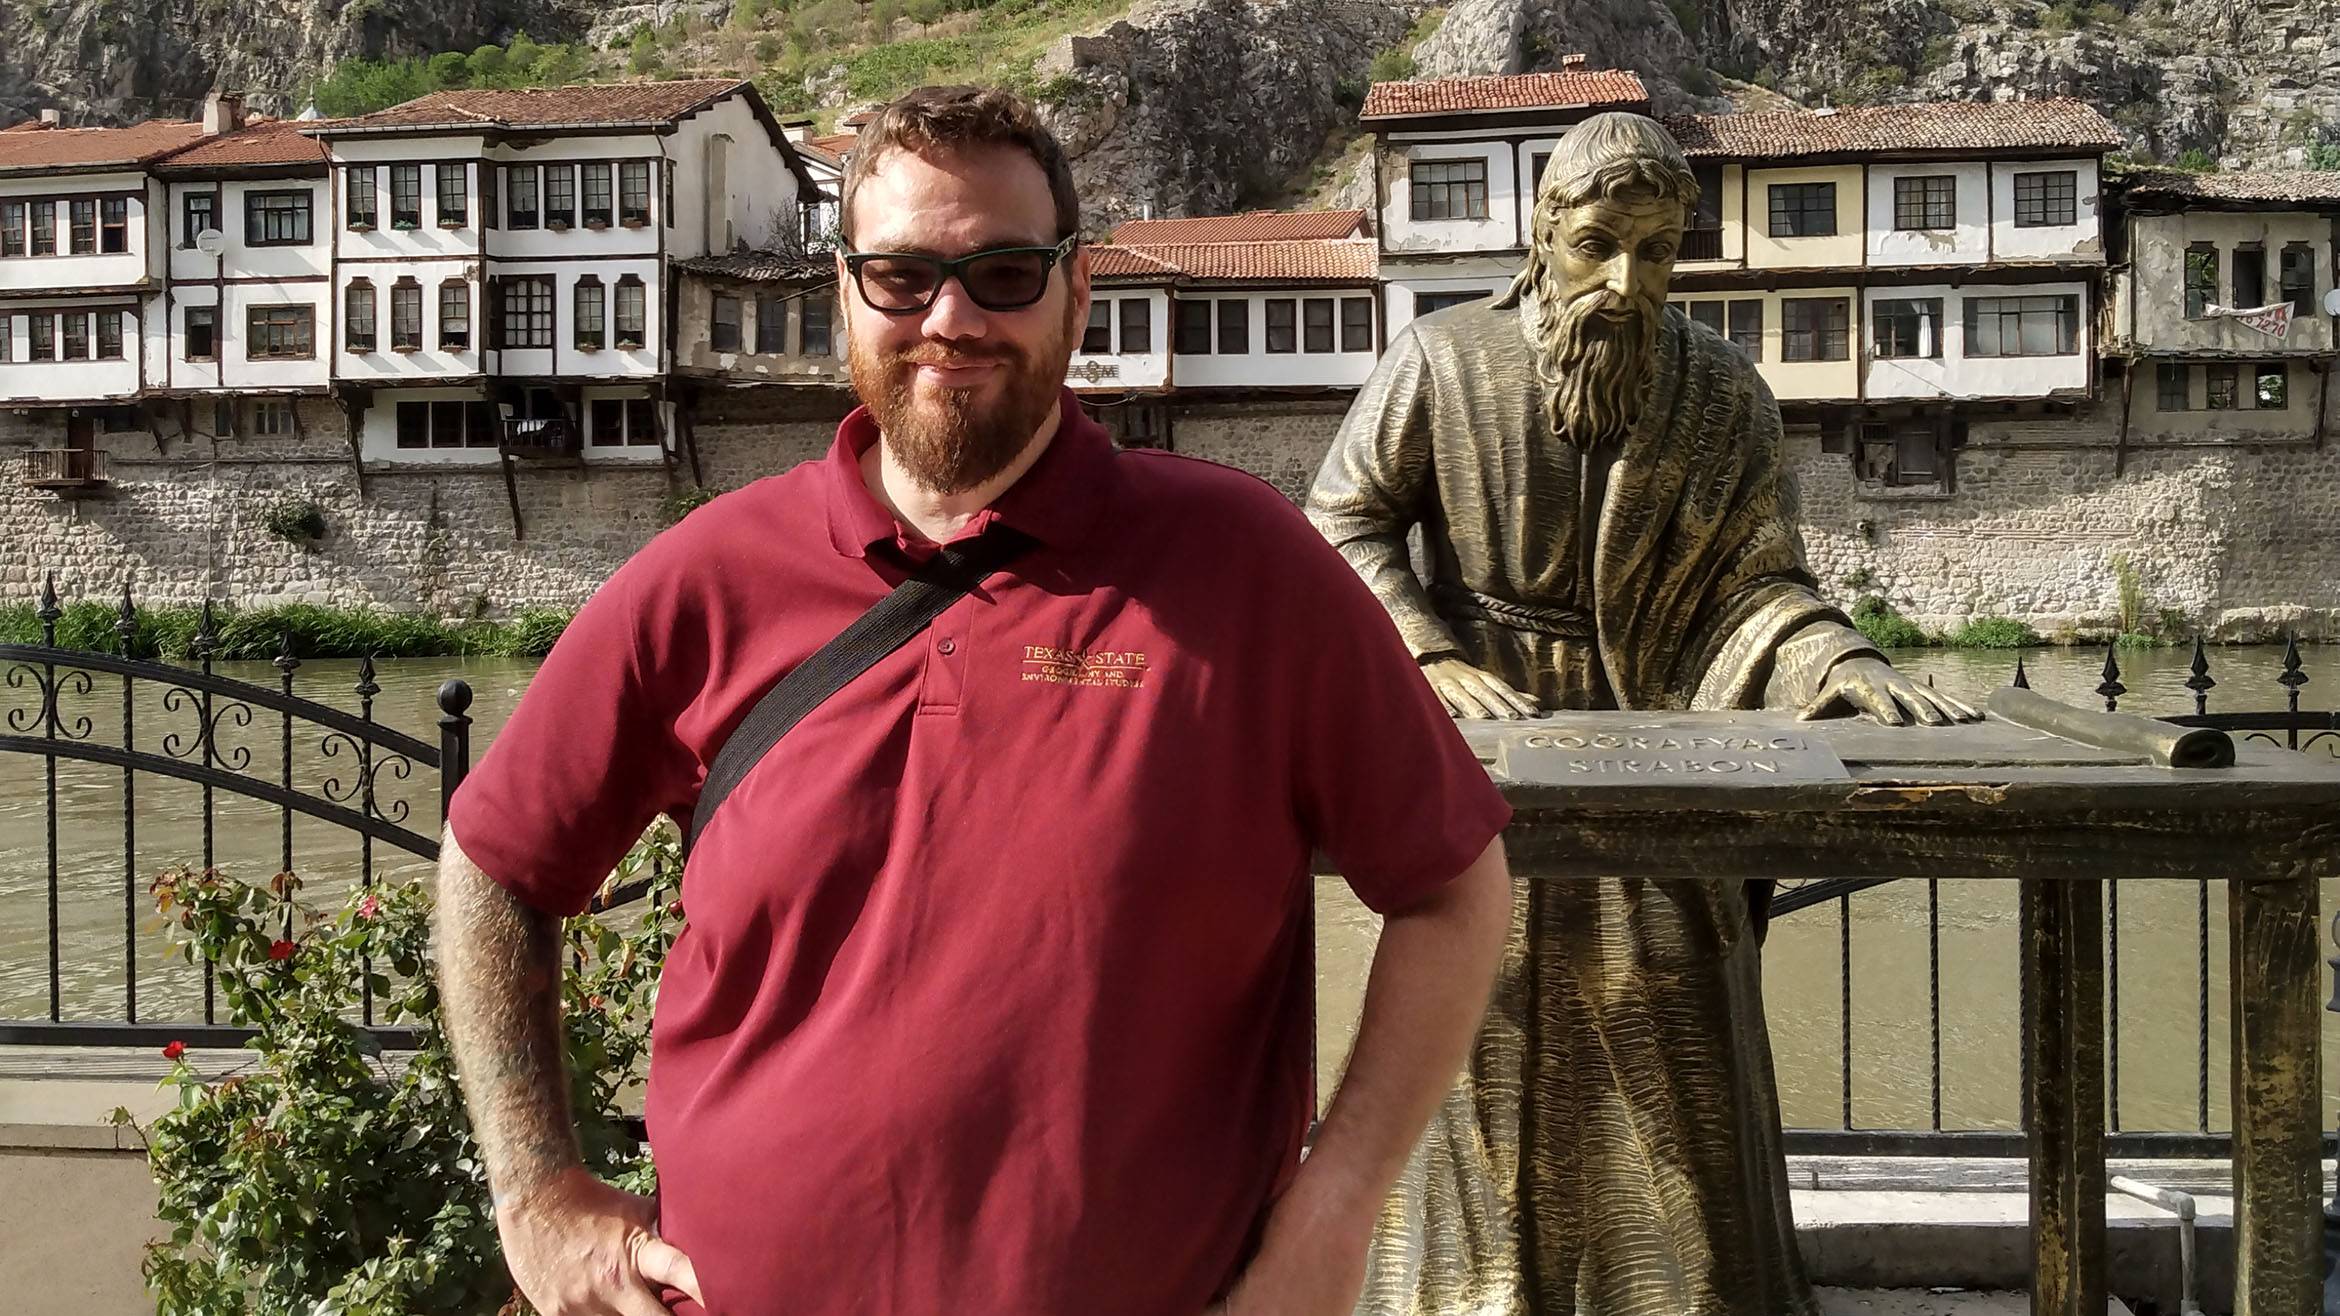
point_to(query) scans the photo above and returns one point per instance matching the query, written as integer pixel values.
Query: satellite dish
(211, 242)
(2332, 302)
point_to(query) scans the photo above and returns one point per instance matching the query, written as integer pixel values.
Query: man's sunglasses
(1001, 279)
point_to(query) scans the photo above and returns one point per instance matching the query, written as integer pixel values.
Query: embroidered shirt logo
(1114, 667)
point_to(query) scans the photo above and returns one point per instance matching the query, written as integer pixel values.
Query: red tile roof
(267, 142)
(1254, 226)
(544, 107)
(1301, 261)
(88, 148)
(1942, 126)
(834, 144)
(1567, 89)
(2265, 186)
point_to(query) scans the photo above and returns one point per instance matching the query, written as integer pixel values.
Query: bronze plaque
(1695, 749)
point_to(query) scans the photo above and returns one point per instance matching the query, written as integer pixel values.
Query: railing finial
(285, 662)
(2111, 687)
(2022, 678)
(49, 612)
(2293, 678)
(2200, 682)
(206, 633)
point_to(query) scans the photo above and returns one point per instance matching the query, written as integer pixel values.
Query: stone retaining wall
(2244, 538)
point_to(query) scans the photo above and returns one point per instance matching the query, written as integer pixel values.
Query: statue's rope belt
(1460, 604)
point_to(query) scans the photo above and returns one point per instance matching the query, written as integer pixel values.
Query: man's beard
(1596, 370)
(954, 440)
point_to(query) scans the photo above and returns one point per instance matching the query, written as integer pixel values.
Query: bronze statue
(1597, 482)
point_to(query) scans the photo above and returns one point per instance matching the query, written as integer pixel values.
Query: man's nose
(954, 313)
(1624, 268)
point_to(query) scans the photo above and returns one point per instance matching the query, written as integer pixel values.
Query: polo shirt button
(947, 648)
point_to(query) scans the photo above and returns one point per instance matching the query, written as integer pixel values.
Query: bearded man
(995, 996)
(1598, 486)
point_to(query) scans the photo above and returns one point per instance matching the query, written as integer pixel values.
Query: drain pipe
(2180, 1205)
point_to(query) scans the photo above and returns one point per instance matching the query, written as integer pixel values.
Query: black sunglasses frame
(947, 270)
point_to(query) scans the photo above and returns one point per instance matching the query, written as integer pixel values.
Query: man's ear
(1076, 277)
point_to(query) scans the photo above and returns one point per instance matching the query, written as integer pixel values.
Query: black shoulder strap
(950, 575)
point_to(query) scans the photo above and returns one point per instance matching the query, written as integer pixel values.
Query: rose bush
(326, 1177)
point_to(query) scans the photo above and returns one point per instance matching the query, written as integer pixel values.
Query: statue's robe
(1614, 1147)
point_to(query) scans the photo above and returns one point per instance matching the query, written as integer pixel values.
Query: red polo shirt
(995, 995)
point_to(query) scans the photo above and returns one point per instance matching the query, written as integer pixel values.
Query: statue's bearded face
(1599, 273)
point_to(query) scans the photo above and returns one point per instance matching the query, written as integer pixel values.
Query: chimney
(49, 118)
(223, 112)
(1572, 61)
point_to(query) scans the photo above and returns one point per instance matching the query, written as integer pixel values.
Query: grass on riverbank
(258, 633)
(1888, 629)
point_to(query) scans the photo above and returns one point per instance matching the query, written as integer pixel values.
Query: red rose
(369, 907)
(281, 950)
(173, 1049)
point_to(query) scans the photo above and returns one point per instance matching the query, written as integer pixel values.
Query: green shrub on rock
(1885, 628)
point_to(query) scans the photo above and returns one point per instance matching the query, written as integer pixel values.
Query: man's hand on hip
(578, 1247)
(1311, 1262)
(1468, 691)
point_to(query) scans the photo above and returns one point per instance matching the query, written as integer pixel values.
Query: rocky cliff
(115, 61)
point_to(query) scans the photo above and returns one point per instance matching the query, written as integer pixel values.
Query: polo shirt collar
(1057, 502)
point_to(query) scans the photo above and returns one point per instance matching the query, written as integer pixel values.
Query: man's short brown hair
(955, 118)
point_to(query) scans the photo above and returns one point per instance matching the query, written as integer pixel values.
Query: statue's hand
(1468, 692)
(1872, 686)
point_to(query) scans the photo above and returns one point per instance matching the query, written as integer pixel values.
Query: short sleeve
(1387, 787)
(589, 757)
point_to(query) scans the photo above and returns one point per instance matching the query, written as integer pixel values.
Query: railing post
(49, 612)
(126, 631)
(454, 740)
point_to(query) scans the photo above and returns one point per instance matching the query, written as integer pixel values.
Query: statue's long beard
(1596, 370)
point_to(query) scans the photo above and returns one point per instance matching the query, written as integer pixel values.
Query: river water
(1892, 1022)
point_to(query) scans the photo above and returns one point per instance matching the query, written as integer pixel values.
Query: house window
(357, 189)
(109, 335)
(1316, 324)
(1097, 339)
(1426, 302)
(446, 425)
(489, 207)
(527, 312)
(280, 333)
(1137, 326)
(1709, 314)
(1814, 328)
(1909, 327)
(2201, 279)
(406, 196)
(1926, 202)
(633, 315)
(406, 316)
(1235, 326)
(357, 314)
(76, 325)
(202, 335)
(2022, 326)
(1356, 324)
(1803, 210)
(82, 217)
(12, 228)
(43, 343)
(2046, 200)
(2273, 388)
(276, 219)
(1536, 163)
(722, 321)
(772, 324)
(597, 195)
(622, 422)
(114, 225)
(1449, 189)
(560, 196)
(198, 211)
(44, 228)
(520, 196)
(271, 418)
(2173, 387)
(1280, 315)
(634, 192)
(2250, 276)
(7, 338)
(813, 334)
(2296, 277)
(2218, 386)
(455, 315)
(454, 195)
(641, 421)
(1193, 336)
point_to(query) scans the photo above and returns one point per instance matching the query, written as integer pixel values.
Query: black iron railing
(59, 715)
(2288, 727)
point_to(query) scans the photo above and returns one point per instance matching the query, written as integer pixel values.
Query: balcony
(67, 472)
(541, 437)
(1701, 244)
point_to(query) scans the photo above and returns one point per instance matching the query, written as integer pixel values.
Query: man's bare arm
(500, 981)
(574, 1245)
(1423, 1004)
